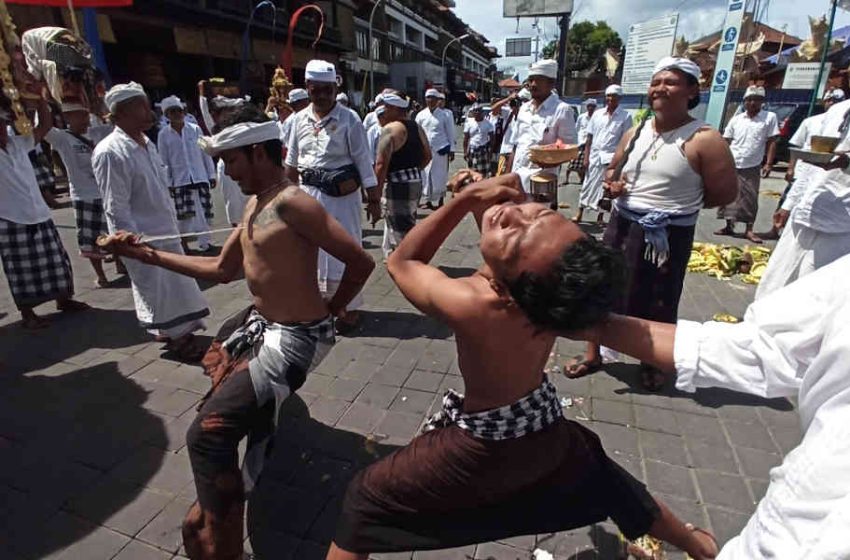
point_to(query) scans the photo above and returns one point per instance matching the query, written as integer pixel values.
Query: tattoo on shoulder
(271, 212)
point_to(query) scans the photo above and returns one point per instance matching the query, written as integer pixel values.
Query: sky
(696, 18)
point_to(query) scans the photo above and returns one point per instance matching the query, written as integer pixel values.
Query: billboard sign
(518, 47)
(649, 42)
(803, 75)
(536, 8)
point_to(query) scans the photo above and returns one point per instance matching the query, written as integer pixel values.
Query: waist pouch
(444, 151)
(333, 182)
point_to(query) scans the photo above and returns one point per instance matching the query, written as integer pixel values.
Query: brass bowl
(824, 144)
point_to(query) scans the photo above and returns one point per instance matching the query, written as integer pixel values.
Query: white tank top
(659, 174)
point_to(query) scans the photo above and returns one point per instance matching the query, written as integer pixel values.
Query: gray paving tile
(712, 457)
(670, 479)
(376, 394)
(424, 381)
(664, 447)
(136, 550)
(361, 418)
(327, 410)
(656, 419)
(411, 401)
(726, 524)
(463, 552)
(100, 544)
(612, 411)
(724, 490)
(164, 530)
(757, 463)
(753, 435)
(345, 389)
(498, 551)
(399, 427)
(390, 374)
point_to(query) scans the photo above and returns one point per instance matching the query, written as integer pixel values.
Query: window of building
(376, 47)
(430, 44)
(413, 36)
(395, 26)
(362, 39)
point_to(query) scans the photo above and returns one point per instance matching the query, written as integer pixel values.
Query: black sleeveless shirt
(410, 154)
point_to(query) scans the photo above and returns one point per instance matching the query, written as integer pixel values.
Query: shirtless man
(503, 461)
(274, 345)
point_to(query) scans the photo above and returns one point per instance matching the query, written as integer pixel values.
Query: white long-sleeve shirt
(793, 342)
(133, 181)
(186, 162)
(438, 127)
(551, 120)
(607, 129)
(334, 141)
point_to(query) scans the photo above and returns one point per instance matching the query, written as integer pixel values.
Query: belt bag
(444, 151)
(333, 182)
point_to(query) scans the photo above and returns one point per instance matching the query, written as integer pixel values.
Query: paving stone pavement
(93, 415)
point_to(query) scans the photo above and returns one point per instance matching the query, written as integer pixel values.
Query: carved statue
(811, 49)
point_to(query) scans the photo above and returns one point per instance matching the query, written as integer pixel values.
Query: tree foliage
(587, 44)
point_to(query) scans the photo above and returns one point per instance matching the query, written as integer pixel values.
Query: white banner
(649, 42)
(803, 75)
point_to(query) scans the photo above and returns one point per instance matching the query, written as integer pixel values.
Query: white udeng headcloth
(122, 92)
(238, 135)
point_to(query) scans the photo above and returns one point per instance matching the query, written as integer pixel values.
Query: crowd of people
(297, 181)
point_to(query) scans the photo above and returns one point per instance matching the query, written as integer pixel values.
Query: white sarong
(346, 210)
(167, 303)
(234, 199)
(434, 178)
(800, 251)
(591, 189)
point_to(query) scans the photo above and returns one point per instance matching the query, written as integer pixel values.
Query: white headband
(320, 71)
(754, 91)
(238, 135)
(432, 93)
(298, 94)
(171, 102)
(673, 63)
(222, 102)
(71, 107)
(836, 94)
(614, 89)
(395, 101)
(122, 92)
(342, 97)
(547, 68)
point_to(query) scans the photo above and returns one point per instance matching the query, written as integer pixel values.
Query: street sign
(518, 47)
(536, 8)
(803, 75)
(725, 61)
(649, 42)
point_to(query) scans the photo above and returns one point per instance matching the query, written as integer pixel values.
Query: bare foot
(751, 236)
(582, 366)
(102, 282)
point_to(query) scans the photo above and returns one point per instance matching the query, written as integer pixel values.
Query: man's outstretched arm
(222, 269)
(306, 216)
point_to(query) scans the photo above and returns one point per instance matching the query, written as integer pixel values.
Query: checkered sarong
(480, 160)
(35, 262)
(90, 224)
(578, 163)
(184, 202)
(532, 413)
(400, 202)
(43, 170)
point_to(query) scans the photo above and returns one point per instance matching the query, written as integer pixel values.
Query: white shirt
(285, 129)
(134, 183)
(76, 155)
(809, 127)
(372, 137)
(792, 343)
(334, 141)
(551, 120)
(749, 137)
(607, 130)
(370, 120)
(479, 132)
(821, 199)
(20, 199)
(438, 127)
(581, 125)
(186, 162)
(509, 139)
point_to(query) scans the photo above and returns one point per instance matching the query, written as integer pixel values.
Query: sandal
(72, 306)
(725, 231)
(694, 529)
(581, 367)
(34, 323)
(652, 379)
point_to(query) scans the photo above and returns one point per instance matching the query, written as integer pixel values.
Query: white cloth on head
(342, 98)
(20, 198)
(590, 102)
(122, 92)
(298, 94)
(546, 67)
(836, 94)
(432, 93)
(238, 135)
(551, 120)
(685, 65)
(320, 71)
(76, 156)
(793, 344)
(171, 102)
(614, 89)
(234, 199)
(394, 100)
(185, 161)
(132, 179)
(71, 107)
(749, 137)
(754, 91)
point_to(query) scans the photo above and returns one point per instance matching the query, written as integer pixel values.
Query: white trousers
(800, 251)
(435, 176)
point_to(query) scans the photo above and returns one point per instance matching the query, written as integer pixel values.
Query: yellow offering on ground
(725, 261)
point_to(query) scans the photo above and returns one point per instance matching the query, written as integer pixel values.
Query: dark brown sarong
(746, 206)
(448, 489)
(652, 292)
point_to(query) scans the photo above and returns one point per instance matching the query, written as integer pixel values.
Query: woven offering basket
(544, 155)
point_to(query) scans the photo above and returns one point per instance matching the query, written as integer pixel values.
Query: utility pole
(562, 54)
(537, 46)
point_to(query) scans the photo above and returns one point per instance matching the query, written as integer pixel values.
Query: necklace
(269, 189)
(664, 138)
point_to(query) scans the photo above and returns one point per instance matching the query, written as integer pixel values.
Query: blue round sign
(721, 77)
(730, 34)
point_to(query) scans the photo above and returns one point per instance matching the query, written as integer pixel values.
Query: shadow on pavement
(293, 511)
(75, 449)
(401, 325)
(711, 398)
